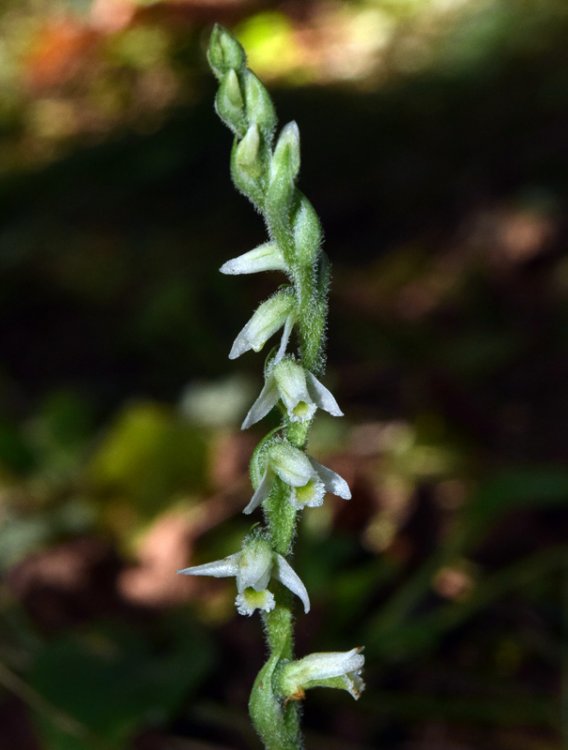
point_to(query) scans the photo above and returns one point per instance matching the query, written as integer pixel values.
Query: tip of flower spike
(224, 52)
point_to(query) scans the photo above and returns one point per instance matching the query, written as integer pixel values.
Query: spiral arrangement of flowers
(285, 478)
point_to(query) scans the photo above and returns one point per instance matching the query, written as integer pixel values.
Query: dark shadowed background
(434, 139)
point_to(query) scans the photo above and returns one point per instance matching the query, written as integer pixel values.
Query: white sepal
(225, 568)
(266, 320)
(287, 330)
(260, 494)
(332, 481)
(322, 396)
(266, 257)
(289, 578)
(266, 401)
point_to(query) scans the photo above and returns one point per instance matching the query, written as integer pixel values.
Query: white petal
(332, 481)
(291, 380)
(266, 257)
(250, 600)
(266, 320)
(323, 396)
(255, 566)
(266, 401)
(260, 495)
(241, 344)
(218, 569)
(291, 464)
(284, 573)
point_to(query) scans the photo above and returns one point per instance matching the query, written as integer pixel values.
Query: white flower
(253, 567)
(308, 479)
(266, 257)
(273, 314)
(334, 669)
(300, 391)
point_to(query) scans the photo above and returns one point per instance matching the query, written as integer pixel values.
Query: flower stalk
(285, 479)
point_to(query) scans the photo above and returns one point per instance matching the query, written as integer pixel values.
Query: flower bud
(265, 257)
(286, 157)
(246, 155)
(267, 319)
(224, 52)
(307, 233)
(259, 105)
(230, 105)
(281, 189)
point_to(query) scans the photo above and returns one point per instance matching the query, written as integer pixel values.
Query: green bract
(285, 478)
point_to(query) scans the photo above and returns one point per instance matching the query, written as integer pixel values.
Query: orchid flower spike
(276, 312)
(335, 669)
(298, 389)
(253, 567)
(308, 479)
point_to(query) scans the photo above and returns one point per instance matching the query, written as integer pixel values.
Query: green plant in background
(284, 477)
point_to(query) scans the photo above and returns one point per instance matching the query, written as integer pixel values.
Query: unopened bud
(286, 157)
(229, 103)
(267, 319)
(259, 105)
(224, 52)
(307, 233)
(247, 150)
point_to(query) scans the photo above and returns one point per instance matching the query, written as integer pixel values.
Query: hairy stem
(266, 174)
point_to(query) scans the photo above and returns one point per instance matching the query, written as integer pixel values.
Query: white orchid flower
(273, 314)
(308, 479)
(340, 669)
(253, 567)
(300, 391)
